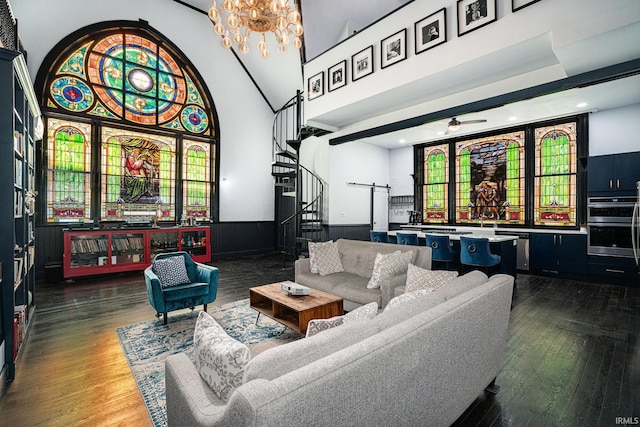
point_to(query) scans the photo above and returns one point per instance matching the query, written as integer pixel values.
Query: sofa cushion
(220, 359)
(421, 278)
(367, 311)
(404, 298)
(423, 301)
(283, 359)
(358, 257)
(171, 271)
(387, 265)
(462, 284)
(325, 258)
(355, 289)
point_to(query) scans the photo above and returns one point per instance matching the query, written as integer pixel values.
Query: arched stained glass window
(436, 185)
(555, 175)
(68, 170)
(490, 179)
(126, 74)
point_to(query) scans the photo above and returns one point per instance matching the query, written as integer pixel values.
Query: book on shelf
(17, 270)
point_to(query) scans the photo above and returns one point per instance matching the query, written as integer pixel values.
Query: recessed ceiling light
(440, 133)
(513, 118)
(402, 141)
(581, 105)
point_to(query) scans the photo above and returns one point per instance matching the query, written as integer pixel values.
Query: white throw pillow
(367, 311)
(325, 258)
(219, 358)
(388, 265)
(421, 278)
(171, 271)
(401, 299)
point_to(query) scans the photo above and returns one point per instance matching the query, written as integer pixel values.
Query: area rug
(146, 345)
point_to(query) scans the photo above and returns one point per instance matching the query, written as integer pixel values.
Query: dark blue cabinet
(557, 252)
(614, 174)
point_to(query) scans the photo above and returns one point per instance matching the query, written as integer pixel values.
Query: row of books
(127, 243)
(88, 246)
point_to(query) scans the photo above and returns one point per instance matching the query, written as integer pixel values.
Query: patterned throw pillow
(367, 311)
(325, 258)
(401, 299)
(171, 271)
(219, 358)
(389, 265)
(420, 278)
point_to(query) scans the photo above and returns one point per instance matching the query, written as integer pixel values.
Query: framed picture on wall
(431, 31)
(519, 4)
(315, 86)
(337, 76)
(393, 49)
(473, 14)
(362, 63)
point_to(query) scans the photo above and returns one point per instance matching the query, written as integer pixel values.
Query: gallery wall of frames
(428, 32)
(526, 176)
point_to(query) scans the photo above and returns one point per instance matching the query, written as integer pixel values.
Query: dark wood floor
(573, 354)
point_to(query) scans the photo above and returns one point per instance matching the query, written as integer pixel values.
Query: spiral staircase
(299, 191)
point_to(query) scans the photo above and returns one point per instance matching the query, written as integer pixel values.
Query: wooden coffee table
(294, 311)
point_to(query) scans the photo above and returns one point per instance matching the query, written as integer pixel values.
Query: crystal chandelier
(258, 16)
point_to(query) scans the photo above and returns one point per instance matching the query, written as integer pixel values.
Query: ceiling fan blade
(463, 122)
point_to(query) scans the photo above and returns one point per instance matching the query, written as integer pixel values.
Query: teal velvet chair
(441, 250)
(407, 238)
(379, 236)
(475, 252)
(199, 286)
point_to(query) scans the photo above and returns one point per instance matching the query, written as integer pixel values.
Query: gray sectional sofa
(422, 362)
(358, 258)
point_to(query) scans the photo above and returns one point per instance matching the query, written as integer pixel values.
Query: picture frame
(362, 63)
(519, 4)
(315, 86)
(430, 31)
(337, 76)
(393, 49)
(474, 14)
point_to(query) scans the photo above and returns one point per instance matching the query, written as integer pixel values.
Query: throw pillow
(325, 257)
(220, 359)
(404, 298)
(420, 278)
(389, 265)
(312, 254)
(171, 271)
(367, 311)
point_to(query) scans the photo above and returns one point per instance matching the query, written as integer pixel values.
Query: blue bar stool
(407, 238)
(475, 252)
(441, 251)
(379, 236)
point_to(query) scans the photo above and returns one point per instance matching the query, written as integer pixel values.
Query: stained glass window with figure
(436, 185)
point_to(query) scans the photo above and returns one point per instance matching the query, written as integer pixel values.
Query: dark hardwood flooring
(572, 358)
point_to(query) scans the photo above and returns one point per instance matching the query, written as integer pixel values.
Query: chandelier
(258, 16)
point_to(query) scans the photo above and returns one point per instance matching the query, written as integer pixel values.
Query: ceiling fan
(454, 124)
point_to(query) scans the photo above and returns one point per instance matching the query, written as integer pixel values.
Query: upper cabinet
(614, 174)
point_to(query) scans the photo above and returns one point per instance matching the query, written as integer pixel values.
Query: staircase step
(289, 194)
(291, 174)
(294, 143)
(286, 184)
(288, 154)
(284, 165)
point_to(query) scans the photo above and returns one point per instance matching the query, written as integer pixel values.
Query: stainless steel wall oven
(609, 226)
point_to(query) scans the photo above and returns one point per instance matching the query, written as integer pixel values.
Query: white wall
(400, 176)
(245, 119)
(615, 131)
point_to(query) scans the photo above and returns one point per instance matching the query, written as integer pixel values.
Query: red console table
(91, 252)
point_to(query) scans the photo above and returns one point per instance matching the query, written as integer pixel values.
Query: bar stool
(407, 238)
(440, 248)
(475, 252)
(379, 236)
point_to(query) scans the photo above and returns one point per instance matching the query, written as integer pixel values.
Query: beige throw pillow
(325, 258)
(367, 311)
(420, 278)
(388, 265)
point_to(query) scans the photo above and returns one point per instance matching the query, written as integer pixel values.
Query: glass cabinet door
(89, 250)
(127, 248)
(163, 241)
(194, 242)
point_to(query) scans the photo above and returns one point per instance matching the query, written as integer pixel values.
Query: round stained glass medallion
(141, 80)
(194, 119)
(71, 93)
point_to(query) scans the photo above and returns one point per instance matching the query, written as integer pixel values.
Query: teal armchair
(201, 289)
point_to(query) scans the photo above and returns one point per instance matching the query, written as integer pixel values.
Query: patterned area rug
(147, 344)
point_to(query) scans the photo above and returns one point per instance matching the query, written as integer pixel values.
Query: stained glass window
(490, 185)
(138, 175)
(132, 76)
(196, 176)
(436, 184)
(68, 171)
(555, 175)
